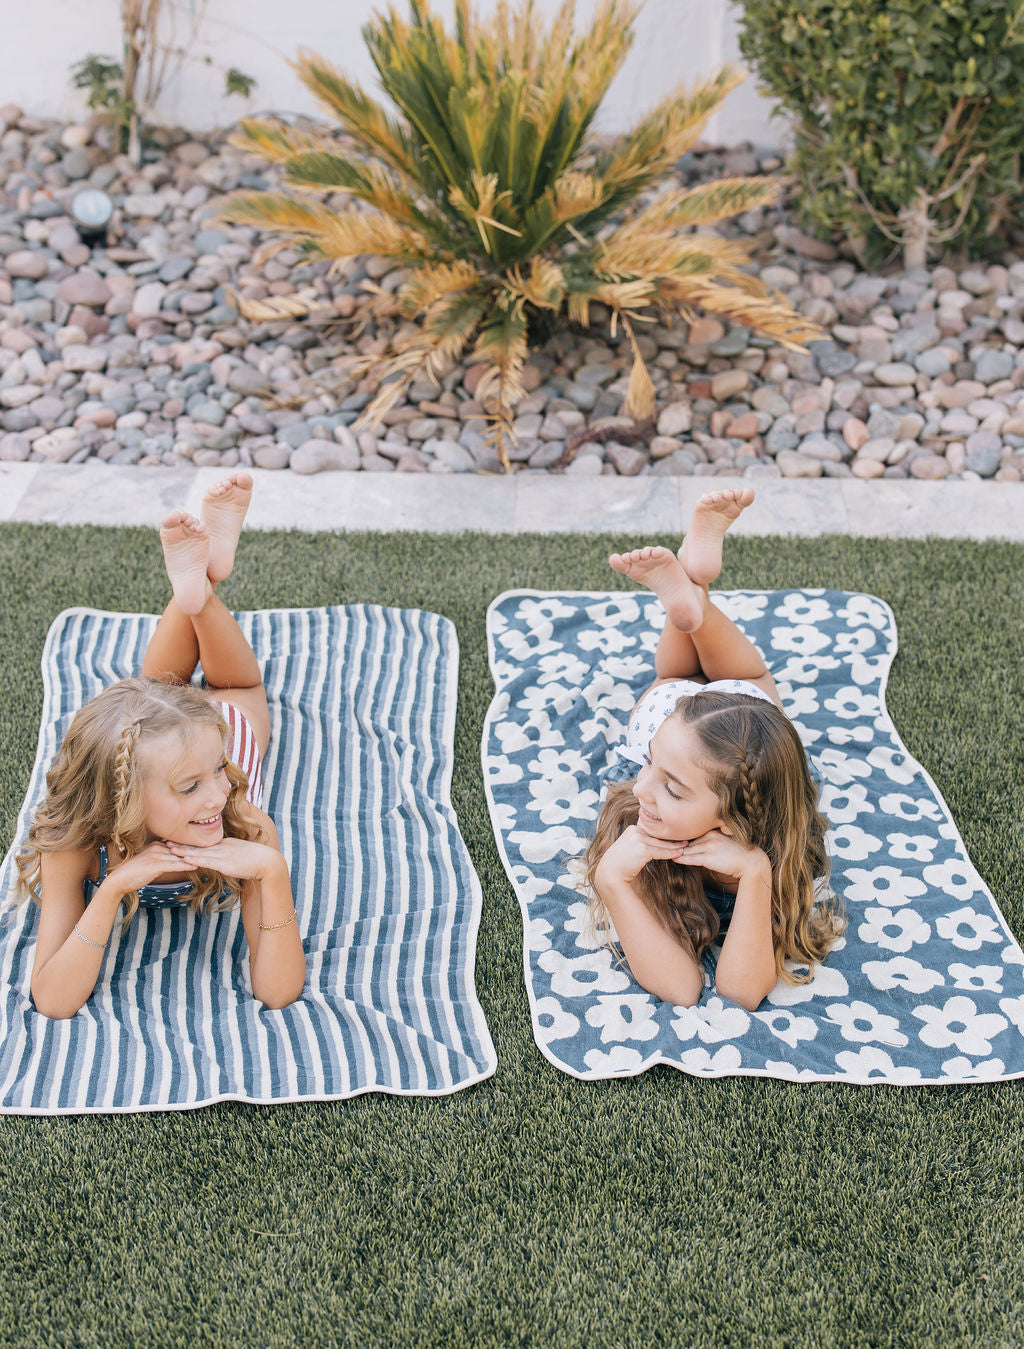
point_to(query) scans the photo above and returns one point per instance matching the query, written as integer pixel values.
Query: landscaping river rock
(131, 348)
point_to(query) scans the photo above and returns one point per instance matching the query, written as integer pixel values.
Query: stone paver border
(93, 493)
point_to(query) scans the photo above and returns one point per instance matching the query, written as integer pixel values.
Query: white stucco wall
(675, 40)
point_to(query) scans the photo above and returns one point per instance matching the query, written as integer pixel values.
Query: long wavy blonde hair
(757, 768)
(94, 787)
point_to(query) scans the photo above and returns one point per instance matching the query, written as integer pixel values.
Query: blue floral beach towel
(927, 985)
(362, 703)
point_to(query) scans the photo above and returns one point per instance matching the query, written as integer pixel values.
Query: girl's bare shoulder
(259, 819)
(68, 863)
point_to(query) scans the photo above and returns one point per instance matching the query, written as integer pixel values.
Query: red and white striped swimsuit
(243, 750)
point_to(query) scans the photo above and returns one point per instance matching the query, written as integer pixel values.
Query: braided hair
(124, 767)
(95, 785)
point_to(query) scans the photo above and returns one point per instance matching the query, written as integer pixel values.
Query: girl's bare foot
(224, 508)
(659, 569)
(701, 553)
(186, 554)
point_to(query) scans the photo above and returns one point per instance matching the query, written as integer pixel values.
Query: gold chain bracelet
(273, 927)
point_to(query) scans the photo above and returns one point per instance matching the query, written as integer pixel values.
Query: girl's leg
(230, 665)
(681, 581)
(725, 652)
(197, 627)
(173, 650)
(676, 655)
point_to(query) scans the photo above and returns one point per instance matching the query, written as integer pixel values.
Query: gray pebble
(14, 448)
(296, 434)
(993, 365)
(628, 460)
(209, 240)
(793, 465)
(734, 343)
(174, 269)
(451, 454)
(273, 455)
(675, 419)
(679, 464)
(584, 466)
(910, 342)
(984, 453)
(206, 410)
(832, 360)
(820, 447)
(76, 163)
(316, 456)
(881, 422)
(546, 454)
(932, 363)
(781, 439)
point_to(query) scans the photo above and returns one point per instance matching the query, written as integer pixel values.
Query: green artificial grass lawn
(534, 1209)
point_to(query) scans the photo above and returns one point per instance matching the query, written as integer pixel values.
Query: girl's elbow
(743, 994)
(277, 998)
(681, 993)
(277, 1002)
(54, 1009)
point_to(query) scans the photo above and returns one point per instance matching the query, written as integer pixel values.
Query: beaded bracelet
(273, 927)
(96, 945)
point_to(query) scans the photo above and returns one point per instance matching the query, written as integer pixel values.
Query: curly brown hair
(94, 786)
(757, 767)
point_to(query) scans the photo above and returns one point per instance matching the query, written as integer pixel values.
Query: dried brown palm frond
(708, 203)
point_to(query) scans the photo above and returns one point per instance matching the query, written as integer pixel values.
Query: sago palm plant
(486, 190)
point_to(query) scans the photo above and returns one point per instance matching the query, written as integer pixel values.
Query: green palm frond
(377, 134)
(327, 171)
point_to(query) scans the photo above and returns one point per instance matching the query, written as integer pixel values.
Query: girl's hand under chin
(633, 849)
(721, 853)
(155, 859)
(238, 857)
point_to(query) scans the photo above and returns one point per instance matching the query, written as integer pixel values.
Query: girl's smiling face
(185, 786)
(676, 802)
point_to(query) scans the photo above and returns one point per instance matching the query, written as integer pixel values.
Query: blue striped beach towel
(358, 775)
(926, 986)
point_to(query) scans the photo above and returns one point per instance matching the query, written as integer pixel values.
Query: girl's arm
(277, 962)
(72, 939)
(746, 971)
(658, 962)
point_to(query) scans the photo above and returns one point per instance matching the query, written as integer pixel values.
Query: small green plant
(237, 82)
(907, 116)
(102, 78)
(486, 189)
(128, 89)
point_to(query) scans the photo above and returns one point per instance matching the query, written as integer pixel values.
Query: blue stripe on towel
(362, 703)
(928, 982)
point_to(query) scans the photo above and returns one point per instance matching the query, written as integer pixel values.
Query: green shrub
(486, 190)
(908, 116)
